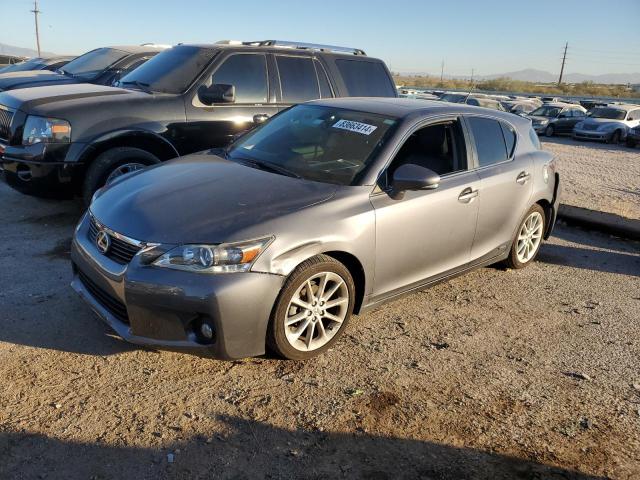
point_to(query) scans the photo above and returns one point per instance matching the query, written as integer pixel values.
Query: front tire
(615, 138)
(111, 164)
(528, 239)
(312, 310)
(549, 131)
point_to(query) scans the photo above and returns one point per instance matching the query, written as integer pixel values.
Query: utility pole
(442, 71)
(35, 12)
(564, 59)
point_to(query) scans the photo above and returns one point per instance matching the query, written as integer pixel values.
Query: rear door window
(365, 79)
(489, 140)
(298, 79)
(248, 73)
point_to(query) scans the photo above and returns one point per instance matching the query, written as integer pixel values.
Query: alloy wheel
(316, 311)
(123, 170)
(529, 237)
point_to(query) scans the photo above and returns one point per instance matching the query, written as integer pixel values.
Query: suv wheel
(112, 164)
(526, 244)
(312, 310)
(549, 131)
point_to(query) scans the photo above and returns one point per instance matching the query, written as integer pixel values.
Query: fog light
(206, 331)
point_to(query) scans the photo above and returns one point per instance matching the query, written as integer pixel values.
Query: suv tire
(106, 164)
(320, 272)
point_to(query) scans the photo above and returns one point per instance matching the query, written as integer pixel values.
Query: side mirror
(217, 93)
(413, 177)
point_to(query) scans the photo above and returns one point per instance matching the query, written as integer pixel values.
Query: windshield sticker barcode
(357, 127)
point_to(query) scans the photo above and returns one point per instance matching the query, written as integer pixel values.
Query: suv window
(489, 140)
(437, 147)
(298, 79)
(365, 79)
(248, 73)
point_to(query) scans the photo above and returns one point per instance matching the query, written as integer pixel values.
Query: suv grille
(120, 251)
(5, 122)
(112, 304)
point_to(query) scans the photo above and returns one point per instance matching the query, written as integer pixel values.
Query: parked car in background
(556, 118)
(551, 100)
(275, 240)
(633, 137)
(187, 98)
(458, 97)
(485, 103)
(10, 60)
(102, 66)
(608, 124)
(589, 104)
(38, 63)
(519, 107)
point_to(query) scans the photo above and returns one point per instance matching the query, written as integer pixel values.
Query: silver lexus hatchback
(330, 208)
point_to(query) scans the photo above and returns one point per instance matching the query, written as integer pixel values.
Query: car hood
(53, 96)
(32, 78)
(202, 198)
(539, 118)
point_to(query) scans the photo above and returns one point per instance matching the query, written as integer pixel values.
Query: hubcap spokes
(529, 237)
(316, 311)
(124, 169)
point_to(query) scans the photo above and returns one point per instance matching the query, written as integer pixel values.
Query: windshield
(546, 111)
(33, 64)
(453, 97)
(324, 144)
(93, 63)
(171, 71)
(610, 113)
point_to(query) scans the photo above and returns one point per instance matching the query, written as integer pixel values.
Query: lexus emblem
(103, 241)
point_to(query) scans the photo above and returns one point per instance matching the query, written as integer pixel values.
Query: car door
(216, 125)
(425, 233)
(564, 123)
(505, 184)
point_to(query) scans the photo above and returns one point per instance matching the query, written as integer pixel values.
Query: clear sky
(490, 36)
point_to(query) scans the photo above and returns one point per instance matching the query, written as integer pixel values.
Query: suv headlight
(223, 258)
(45, 130)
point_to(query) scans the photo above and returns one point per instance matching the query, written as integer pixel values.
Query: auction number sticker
(357, 127)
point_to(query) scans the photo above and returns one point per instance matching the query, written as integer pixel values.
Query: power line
(35, 12)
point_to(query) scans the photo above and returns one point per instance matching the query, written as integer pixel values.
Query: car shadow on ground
(247, 449)
(592, 251)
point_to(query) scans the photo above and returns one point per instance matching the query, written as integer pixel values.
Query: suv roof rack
(295, 45)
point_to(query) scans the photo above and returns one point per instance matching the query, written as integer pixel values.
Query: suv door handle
(523, 178)
(467, 195)
(260, 118)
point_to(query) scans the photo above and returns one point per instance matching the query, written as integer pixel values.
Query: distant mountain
(21, 52)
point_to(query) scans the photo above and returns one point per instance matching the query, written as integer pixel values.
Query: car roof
(404, 107)
(133, 49)
(276, 48)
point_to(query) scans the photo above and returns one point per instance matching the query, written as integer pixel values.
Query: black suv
(101, 66)
(76, 138)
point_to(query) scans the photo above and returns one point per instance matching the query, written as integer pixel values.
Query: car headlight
(543, 122)
(607, 127)
(45, 130)
(223, 258)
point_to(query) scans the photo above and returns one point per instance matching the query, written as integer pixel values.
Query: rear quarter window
(365, 78)
(489, 139)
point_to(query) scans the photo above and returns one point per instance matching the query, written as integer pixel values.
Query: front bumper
(592, 135)
(159, 307)
(40, 168)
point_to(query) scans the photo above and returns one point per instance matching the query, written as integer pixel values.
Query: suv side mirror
(413, 177)
(217, 93)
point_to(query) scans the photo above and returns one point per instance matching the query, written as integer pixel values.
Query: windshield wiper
(272, 167)
(141, 85)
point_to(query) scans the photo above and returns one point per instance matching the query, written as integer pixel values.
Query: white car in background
(609, 124)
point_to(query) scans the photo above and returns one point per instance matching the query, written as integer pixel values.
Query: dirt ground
(531, 374)
(598, 176)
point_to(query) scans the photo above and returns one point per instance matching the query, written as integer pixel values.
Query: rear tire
(109, 162)
(312, 310)
(630, 143)
(528, 239)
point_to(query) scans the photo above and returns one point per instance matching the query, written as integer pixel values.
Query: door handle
(467, 195)
(523, 178)
(260, 118)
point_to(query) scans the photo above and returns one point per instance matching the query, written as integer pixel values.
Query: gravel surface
(598, 176)
(531, 374)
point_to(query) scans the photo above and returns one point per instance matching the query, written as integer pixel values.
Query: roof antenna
(473, 86)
